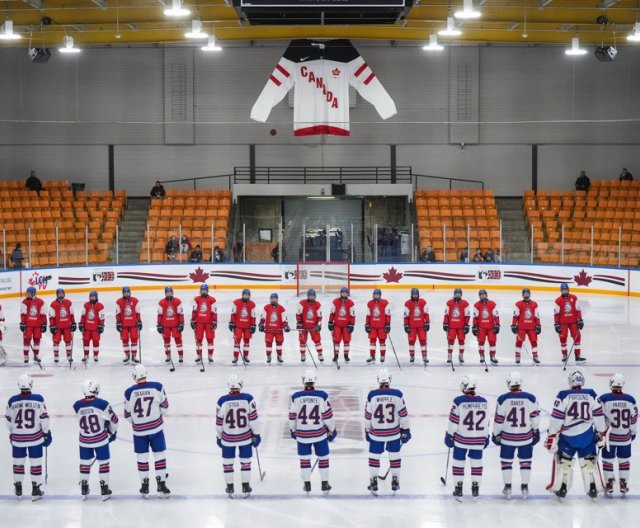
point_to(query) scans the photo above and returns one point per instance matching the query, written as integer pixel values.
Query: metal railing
(322, 174)
(450, 180)
(199, 178)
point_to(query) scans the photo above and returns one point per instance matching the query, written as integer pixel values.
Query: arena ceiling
(136, 22)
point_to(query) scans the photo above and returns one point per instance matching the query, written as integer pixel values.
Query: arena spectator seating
(457, 210)
(610, 206)
(22, 209)
(190, 213)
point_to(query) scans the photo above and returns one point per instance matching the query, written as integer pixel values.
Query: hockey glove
(496, 329)
(445, 327)
(112, 437)
(180, 327)
(299, 325)
(261, 327)
(331, 326)
(48, 438)
(119, 327)
(81, 327)
(387, 329)
(74, 327)
(256, 439)
(514, 329)
(232, 326)
(331, 436)
(100, 329)
(448, 440)
(219, 442)
(580, 324)
(550, 443)
(293, 435)
(538, 330)
(53, 329)
(192, 324)
(367, 328)
(318, 328)
(139, 325)
(350, 329)
(214, 325)
(252, 329)
(475, 330)
(287, 329)
(407, 328)
(465, 329)
(426, 327)
(557, 328)
(23, 327)
(601, 438)
(405, 435)
(43, 327)
(536, 437)
(496, 439)
(159, 328)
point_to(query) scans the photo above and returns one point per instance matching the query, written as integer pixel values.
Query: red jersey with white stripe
(567, 310)
(273, 317)
(33, 312)
(321, 73)
(243, 314)
(309, 314)
(378, 313)
(416, 313)
(127, 311)
(170, 312)
(485, 314)
(204, 310)
(456, 313)
(60, 313)
(343, 312)
(526, 315)
(92, 315)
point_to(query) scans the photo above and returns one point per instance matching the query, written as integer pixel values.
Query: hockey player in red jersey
(456, 324)
(170, 323)
(273, 322)
(243, 325)
(377, 325)
(342, 320)
(526, 323)
(62, 325)
(486, 325)
(416, 324)
(204, 321)
(33, 323)
(309, 323)
(567, 318)
(129, 324)
(91, 325)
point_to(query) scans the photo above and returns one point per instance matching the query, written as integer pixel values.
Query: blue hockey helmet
(247, 292)
(415, 291)
(344, 289)
(564, 286)
(378, 292)
(526, 290)
(168, 290)
(457, 291)
(60, 292)
(93, 294)
(31, 291)
(126, 289)
(274, 295)
(310, 292)
(482, 292)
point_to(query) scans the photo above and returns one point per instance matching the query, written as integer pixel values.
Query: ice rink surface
(196, 481)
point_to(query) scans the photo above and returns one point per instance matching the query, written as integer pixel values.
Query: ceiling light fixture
(176, 10)
(452, 30)
(68, 45)
(7, 31)
(635, 36)
(433, 44)
(468, 11)
(196, 30)
(211, 45)
(575, 48)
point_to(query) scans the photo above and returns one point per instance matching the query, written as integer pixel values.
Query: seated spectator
(196, 254)
(33, 182)
(478, 256)
(217, 254)
(172, 248)
(157, 191)
(583, 182)
(489, 256)
(428, 255)
(464, 255)
(185, 244)
(16, 256)
(625, 175)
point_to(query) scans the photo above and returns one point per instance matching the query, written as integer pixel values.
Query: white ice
(194, 463)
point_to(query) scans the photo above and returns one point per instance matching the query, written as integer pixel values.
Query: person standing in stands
(33, 183)
(625, 175)
(583, 182)
(16, 256)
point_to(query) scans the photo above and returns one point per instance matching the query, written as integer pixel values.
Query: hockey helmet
(168, 291)
(469, 383)
(481, 293)
(616, 381)
(273, 297)
(526, 293)
(415, 292)
(311, 292)
(384, 378)
(344, 289)
(25, 382)
(60, 293)
(309, 377)
(514, 379)
(246, 292)
(457, 293)
(90, 388)
(126, 289)
(93, 294)
(31, 292)
(576, 379)
(204, 287)
(234, 382)
(377, 292)
(139, 373)
(564, 289)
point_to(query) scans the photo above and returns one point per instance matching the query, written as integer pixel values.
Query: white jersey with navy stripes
(469, 421)
(621, 416)
(575, 412)
(96, 420)
(144, 406)
(385, 414)
(236, 419)
(310, 416)
(517, 416)
(27, 419)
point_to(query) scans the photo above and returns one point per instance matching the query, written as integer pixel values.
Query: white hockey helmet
(469, 383)
(90, 388)
(576, 379)
(616, 381)
(309, 377)
(139, 372)
(514, 379)
(384, 378)
(25, 382)
(234, 382)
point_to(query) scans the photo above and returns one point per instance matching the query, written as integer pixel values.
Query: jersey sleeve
(44, 419)
(496, 316)
(403, 415)
(293, 414)
(633, 424)
(534, 414)
(219, 420)
(387, 314)
(319, 315)
(367, 415)
(253, 417)
(8, 415)
(536, 316)
(234, 309)
(327, 416)
(557, 416)
(454, 420)
(445, 319)
(52, 316)
(475, 312)
(352, 314)
(556, 312)
(578, 309)
(598, 415)
(164, 402)
(278, 85)
(127, 408)
(118, 313)
(498, 419)
(362, 78)
(112, 421)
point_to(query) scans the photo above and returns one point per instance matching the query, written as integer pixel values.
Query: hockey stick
(173, 367)
(46, 465)
(394, 352)
(201, 363)
(311, 355)
(3, 356)
(261, 473)
(244, 360)
(139, 346)
(70, 356)
(446, 471)
(383, 477)
(484, 360)
(568, 356)
(36, 359)
(314, 465)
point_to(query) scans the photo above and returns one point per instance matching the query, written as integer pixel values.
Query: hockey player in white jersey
(516, 427)
(237, 427)
(98, 428)
(577, 425)
(468, 434)
(312, 426)
(28, 423)
(621, 417)
(145, 403)
(386, 428)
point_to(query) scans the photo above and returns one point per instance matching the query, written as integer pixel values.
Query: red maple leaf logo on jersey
(392, 275)
(199, 275)
(582, 279)
(335, 72)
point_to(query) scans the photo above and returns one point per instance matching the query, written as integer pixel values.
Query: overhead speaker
(338, 189)
(39, 55)
(606, 53)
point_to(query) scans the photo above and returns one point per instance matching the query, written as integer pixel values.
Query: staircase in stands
(132, 229)
(515, 236)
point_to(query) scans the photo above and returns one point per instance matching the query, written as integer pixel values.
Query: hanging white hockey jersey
(320, 73)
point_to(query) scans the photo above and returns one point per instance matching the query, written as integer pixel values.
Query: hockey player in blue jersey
(468, 434)
(386, 428)
(145, 403)
(237, 427)
(621, 416)
(516, 428)
(98, 428)
(577, 425)
(312, 426)
(28, 423)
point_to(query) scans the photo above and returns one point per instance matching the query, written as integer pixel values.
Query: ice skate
(326, 488)
(144, 488)
(609, 487)
(246, 489)
(457, 492)
(105, 492)
(163, 491)
(593, 491)
(475, 489)
(624, 488)
(279, 358)
(524, 489)
(494, 360)
(412, 358)
(395, 484)
(18, 488)
(506, 491)
(84, 489)
(373, 486)
(127, 358)
(229, 491)
(461, 359)
(371, 359)
(320, 357)
(307, 487)
(36, 492)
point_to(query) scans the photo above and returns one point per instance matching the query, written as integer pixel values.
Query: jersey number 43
(379, 413)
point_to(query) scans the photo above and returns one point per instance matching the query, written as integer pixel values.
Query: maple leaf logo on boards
(392, 275)
(199, 275)
(335, 72)
(582, 279)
